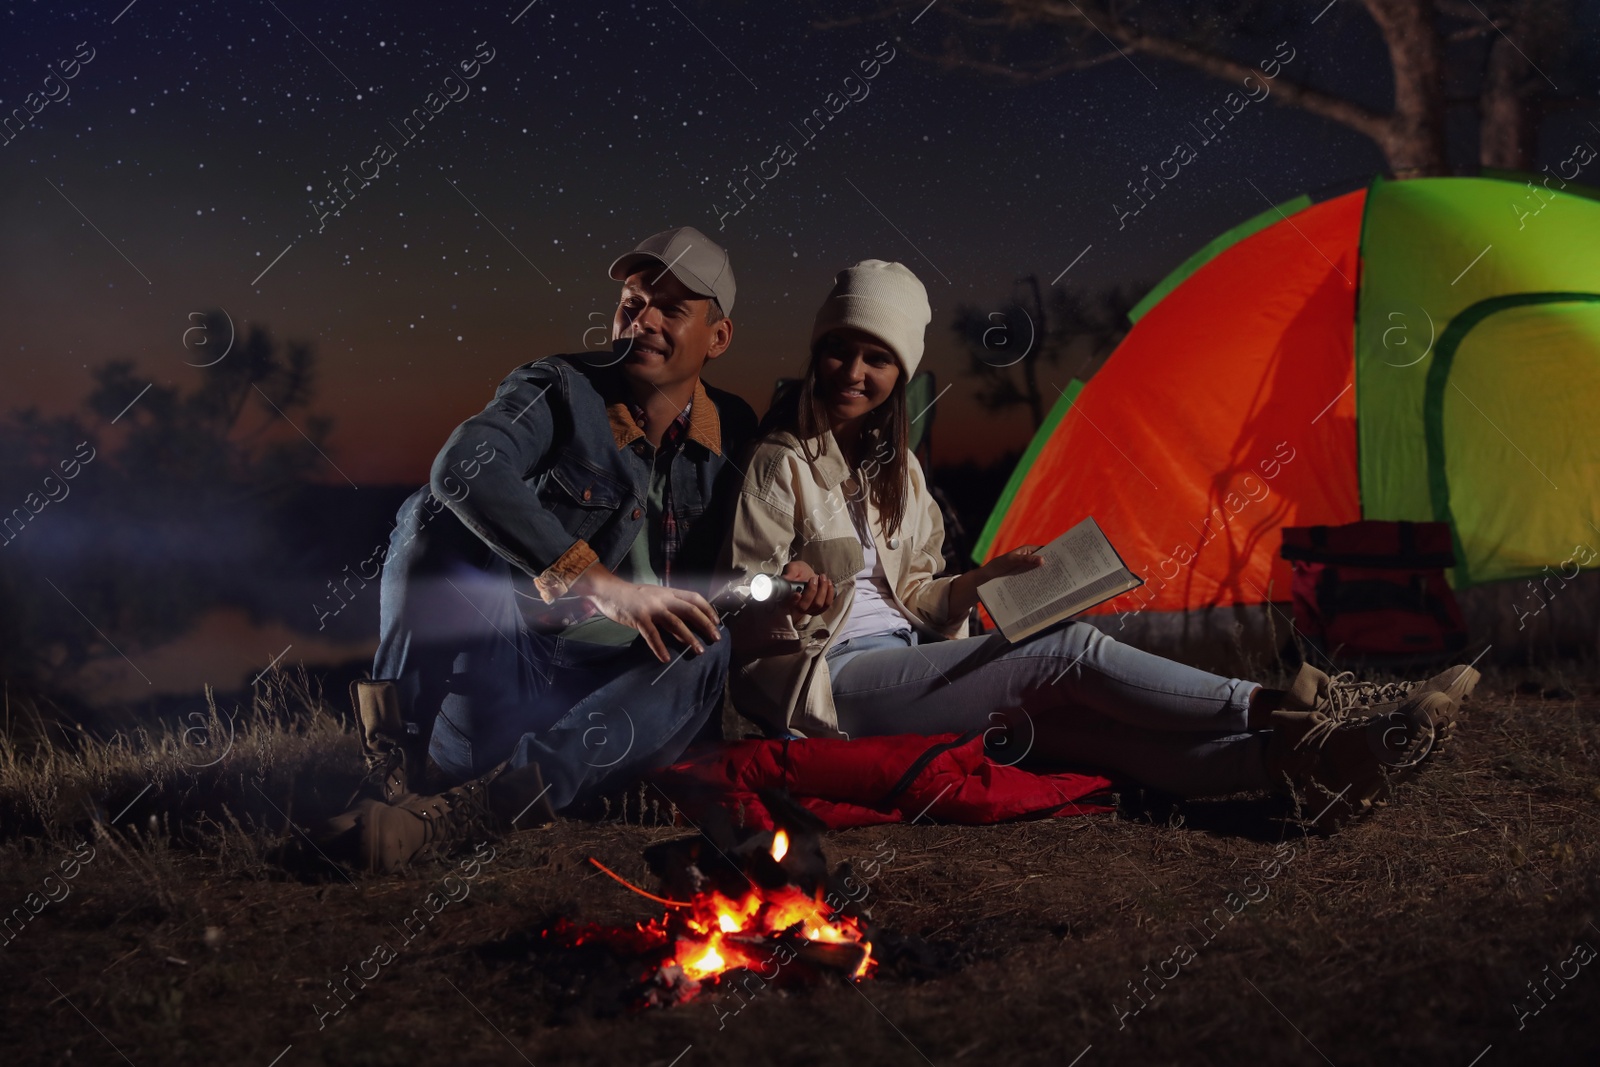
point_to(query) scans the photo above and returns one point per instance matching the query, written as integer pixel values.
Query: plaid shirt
(671, 442)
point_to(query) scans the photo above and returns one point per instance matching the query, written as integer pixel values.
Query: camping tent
(1423, 350)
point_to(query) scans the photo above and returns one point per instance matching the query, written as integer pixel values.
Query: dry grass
(1403, 940)
(223, 782)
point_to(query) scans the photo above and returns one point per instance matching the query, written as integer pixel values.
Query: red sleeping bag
(873, 780)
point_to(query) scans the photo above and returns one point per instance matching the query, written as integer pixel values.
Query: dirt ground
(1419, 936)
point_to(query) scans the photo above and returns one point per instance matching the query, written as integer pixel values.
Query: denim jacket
(544, 477)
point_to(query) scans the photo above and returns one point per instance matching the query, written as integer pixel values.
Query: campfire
(762, 906)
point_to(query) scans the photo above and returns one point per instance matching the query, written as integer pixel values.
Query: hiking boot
(379, 837)
(384, 837)
(519, 799)
(1331, 767)
(1406, 736)
(392, 766)
(1342, 697)
(1368, 699)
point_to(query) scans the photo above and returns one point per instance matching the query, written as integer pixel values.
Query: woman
(833, 499)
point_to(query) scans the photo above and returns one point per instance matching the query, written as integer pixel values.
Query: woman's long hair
(883, 460)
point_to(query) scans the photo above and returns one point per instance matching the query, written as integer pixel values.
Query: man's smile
(648, 348)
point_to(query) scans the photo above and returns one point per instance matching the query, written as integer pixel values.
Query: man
(544, 631)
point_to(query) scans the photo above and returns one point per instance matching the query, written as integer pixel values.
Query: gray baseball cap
(693, 258)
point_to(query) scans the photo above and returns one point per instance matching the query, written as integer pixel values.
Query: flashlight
(769, 588)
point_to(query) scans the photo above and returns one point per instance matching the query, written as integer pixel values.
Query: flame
(708, 962)
(720, 934)
(711, 933)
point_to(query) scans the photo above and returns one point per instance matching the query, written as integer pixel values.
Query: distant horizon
(407, 456)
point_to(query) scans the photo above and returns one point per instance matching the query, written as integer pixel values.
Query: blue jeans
(485, 688)
(1068, 695)
(625, 713)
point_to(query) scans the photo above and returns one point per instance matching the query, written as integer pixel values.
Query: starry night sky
(199, 136)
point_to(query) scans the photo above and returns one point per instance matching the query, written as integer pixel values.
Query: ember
(756, 905)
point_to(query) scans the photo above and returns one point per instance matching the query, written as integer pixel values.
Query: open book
(1080, 570)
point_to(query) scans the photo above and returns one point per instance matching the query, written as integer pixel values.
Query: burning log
(847, 957)
(754, 901)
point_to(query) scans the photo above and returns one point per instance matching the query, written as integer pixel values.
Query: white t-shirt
(874, 610)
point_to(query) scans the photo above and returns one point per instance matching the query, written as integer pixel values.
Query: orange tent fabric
(1249, 364)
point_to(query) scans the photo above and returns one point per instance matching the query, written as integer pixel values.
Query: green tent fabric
(1509, 307)
(1423, 350)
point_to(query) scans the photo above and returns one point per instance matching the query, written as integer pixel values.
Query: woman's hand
(963, 594)
(815, 598)
(1017, 561)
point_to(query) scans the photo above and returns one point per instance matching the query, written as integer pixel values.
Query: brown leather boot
(1342, 697)
(379, 836)
(1308, 690)
(1327, 766)
(1340, 768)
(519, 799)
(391, 765)
(1370, 699)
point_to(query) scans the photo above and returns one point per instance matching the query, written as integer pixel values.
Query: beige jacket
(790, 508)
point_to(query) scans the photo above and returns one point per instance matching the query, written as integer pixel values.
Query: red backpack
(1375, 588)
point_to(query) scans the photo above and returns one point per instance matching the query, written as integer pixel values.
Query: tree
(1005, 348)
(1506, 50)
(162, 516)
(1527, 43)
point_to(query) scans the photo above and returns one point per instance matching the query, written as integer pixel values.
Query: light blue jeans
(1070, 695)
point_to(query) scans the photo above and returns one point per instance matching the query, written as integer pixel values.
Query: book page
(1079, 564)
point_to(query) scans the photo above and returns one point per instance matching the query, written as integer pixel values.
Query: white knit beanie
(883, 299)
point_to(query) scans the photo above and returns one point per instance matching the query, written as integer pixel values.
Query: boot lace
(1317, 736)
(450, 817)
(388, 771)
(466, 814)
(1345, 693)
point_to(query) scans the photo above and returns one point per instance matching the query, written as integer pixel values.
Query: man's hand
(815, 598)
(655, 611)
(963, 594)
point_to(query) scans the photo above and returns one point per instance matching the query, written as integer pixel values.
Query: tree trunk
(1512, 101)
(1507, 125)
(1414, 143)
